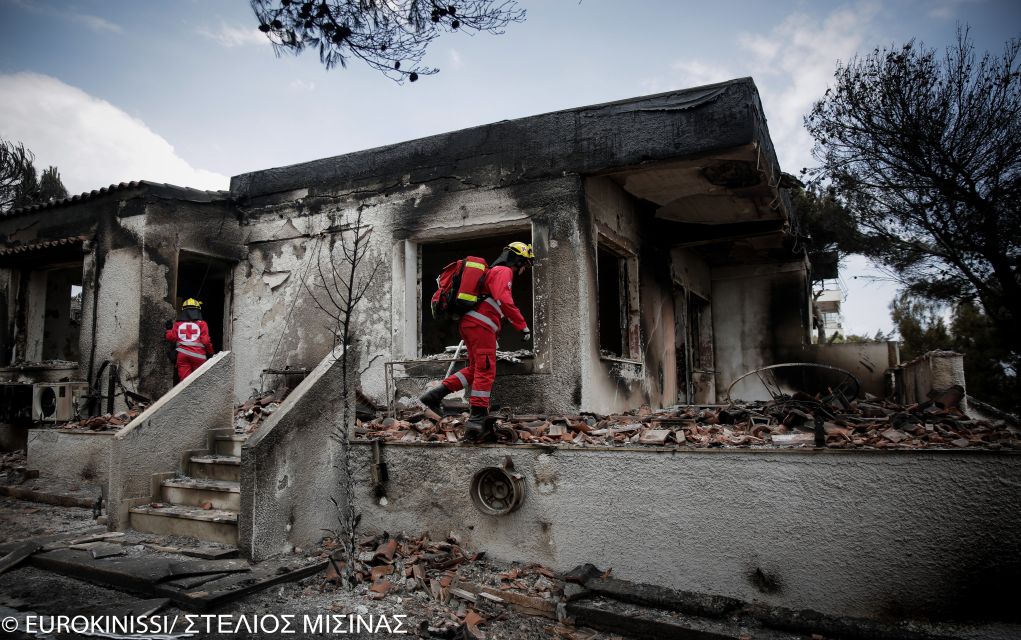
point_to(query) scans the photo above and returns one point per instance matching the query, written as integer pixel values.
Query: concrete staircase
(212, 477)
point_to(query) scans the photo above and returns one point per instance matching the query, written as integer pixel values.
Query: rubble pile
(12, 467)
(798, 420)
(458, 589)
(107, 421)
(247, 416)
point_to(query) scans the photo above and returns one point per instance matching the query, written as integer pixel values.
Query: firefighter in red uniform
(479, 329)
(191, 335)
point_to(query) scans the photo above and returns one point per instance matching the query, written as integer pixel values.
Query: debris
(785, 421)
(248, 415)
(18, 555)
(105, 422)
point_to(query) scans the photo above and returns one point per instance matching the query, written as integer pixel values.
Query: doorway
(209, 281)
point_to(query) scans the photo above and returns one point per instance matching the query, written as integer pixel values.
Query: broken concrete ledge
(58, 499)
(660, 450)
(713, 607)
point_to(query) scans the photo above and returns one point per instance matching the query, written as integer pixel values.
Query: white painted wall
(858, 533)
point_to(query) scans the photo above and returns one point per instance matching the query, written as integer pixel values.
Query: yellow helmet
(191, 303)
(522, 249)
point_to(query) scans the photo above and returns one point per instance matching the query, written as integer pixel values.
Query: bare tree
(339, 284)
(925, 154)
(390, 36)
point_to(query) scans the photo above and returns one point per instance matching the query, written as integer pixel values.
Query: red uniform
(193, 345)
(479, 328)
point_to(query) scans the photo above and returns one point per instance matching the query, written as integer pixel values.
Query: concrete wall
(760, 318)
(936, 370)
(204, 229)
(649, 373)
(290, 469)
(867, 533)
(282, 325)
(867, 361)
(154, 441)
(74, 456)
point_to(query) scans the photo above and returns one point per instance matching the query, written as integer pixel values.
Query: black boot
(434, 398)
(476, 423)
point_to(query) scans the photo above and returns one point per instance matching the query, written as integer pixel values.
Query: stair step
(213, 525)
(229, 445)
(214, 467)
(222, 494)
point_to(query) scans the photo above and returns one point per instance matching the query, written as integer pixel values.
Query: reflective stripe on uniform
(461, 378)
(480, 394)
(467, 296)
(475, 265)
(189, 343)
(488, 321)
(200, 356)
(496, 305)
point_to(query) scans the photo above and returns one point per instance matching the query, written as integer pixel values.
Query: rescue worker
(191, 335)
(479, 328)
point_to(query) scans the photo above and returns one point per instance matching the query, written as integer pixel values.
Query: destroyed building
(668, 265)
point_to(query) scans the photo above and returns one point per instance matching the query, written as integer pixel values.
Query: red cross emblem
(188, 331)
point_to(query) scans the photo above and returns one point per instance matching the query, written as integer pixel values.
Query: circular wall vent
(497, 491)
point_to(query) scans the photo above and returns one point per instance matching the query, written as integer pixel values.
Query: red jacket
(192, 338)
(499, 302)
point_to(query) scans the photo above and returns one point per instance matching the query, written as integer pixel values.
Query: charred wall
(759, 319)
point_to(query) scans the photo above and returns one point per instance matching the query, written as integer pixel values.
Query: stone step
(222, 494)
(214, 467)
(212, 525)
(229, 445)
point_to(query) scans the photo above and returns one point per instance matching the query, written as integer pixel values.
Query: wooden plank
(203, 567)
(237, 586)
(18, 555)
(7, 547)
(107, 550)
(135, 574)
(205, 552)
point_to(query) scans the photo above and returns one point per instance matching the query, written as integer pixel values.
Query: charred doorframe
(622, 299)
(215, 289)
(408, 271)
(694, 340)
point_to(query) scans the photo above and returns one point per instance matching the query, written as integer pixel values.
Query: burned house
(668, 265)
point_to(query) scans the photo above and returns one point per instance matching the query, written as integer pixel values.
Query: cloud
(455, 59)
(690, 73)
(92, 22)
(92, 142)
(302, 85)
(948, 9)
(792, 64)
(230, 37)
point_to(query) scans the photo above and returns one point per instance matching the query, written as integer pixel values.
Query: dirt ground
(27, 590)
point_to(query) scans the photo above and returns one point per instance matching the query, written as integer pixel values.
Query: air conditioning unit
(57, 401)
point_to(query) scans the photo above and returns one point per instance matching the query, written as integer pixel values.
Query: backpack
(458, 290)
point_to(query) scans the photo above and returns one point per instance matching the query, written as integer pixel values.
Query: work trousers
(481, 370)
(186, 365)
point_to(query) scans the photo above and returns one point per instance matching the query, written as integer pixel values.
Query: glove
(526, 334)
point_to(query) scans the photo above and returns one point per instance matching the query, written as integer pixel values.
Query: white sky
(189, 92)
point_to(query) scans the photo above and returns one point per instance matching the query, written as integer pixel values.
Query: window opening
(62, 313)
(612, 273)
(437, 335)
